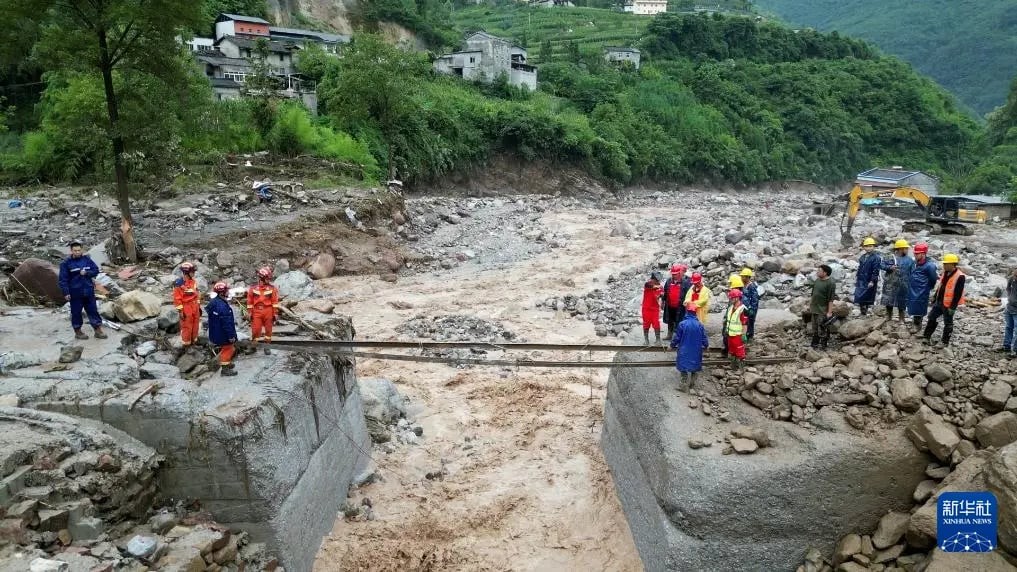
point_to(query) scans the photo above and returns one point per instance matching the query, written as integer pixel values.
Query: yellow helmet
(869, 242)
(901, 243)
(950, 258)
(736, 282)
(746, 272)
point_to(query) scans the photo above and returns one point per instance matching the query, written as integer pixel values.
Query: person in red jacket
(651, 307)
(735, 321)
(263, 303)
(187, 300)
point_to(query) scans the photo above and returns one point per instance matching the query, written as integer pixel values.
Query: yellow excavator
(943, 214)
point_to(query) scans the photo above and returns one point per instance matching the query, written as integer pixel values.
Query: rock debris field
(461, 459)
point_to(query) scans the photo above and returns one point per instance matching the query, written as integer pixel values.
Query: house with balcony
(485, 58)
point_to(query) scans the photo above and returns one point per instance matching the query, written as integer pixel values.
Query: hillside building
(645, 7)
(622, 56)
(228, 59)
(485, 57)
(896, 177)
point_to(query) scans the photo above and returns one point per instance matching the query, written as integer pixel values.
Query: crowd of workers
(909, 285)
(78, 272)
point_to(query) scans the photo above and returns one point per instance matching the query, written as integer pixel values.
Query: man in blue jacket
(750, 298)
(76, 275)
(222, 329)
(923, 278)
(868, 276)
(691, 341)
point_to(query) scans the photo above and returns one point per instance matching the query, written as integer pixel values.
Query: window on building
(472, 60)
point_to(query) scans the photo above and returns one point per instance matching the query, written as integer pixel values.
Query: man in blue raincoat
(222, 330)
(896, 277)
(75, 280)
(691, 341)
(868, 276)
(923, 279)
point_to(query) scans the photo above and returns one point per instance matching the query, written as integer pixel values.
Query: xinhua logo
(966, 522)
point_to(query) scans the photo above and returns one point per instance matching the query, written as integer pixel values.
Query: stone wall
(705, 510)
(272, 450)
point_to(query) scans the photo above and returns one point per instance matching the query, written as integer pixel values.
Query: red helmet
(264, 272)
(186, 267)
(697, 278)
(921, 248)
(220, 288)
(734, 293)
(678, 268)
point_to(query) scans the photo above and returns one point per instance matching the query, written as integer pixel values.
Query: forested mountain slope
(968, 46)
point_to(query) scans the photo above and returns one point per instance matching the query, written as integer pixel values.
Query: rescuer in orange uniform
(263, 303)
(187, 300)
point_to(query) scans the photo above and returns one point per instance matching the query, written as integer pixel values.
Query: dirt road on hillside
(525, 485)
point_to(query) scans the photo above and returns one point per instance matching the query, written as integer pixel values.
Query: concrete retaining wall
(272, 450)
(705, 511)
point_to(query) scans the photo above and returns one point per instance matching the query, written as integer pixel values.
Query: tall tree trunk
(391, 161)
(119, 168)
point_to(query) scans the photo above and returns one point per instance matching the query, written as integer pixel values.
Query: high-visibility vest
(951, 288)
(733, 319)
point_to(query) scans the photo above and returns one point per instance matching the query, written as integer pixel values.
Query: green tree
(546, 51)
(108, 37)
(572, 52)
(374, 84)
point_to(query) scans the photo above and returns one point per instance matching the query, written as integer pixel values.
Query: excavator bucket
(846, 240)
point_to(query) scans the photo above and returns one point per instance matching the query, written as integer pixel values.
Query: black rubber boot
(228, 370)
(646, 337)
(656, 333)
(815, 342)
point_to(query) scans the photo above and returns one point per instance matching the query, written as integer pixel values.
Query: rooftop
(273, 45)
(240, 18)
(888, 174)
(323, 36)
(219, 59)
(617, 49)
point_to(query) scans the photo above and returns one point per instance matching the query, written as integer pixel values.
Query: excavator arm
(856, 196)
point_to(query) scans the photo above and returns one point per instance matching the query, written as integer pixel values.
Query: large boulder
(998, 430)
(40, 278)
(929, 432)
(136, 305)
(907, 396)
(956, 561)
(295, 285)
(322, 266)
(1001, 480)
(706, 511)
(891, 528)
(937, 372)
(381, 400)
(856, 329)
(994, 395)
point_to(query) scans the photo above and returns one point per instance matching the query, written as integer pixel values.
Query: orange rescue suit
(262, 302)
(187, 300)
